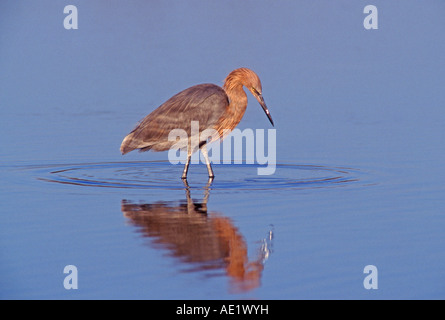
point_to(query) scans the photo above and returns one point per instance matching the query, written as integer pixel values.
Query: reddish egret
(212, 106)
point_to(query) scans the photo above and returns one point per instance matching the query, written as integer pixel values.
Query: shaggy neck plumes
(233, 86)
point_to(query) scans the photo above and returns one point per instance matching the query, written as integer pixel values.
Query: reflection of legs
(186, 185)
(190, 204)
(206, 157)
(207, 192)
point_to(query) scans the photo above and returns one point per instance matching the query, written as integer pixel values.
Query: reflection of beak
(263, 105)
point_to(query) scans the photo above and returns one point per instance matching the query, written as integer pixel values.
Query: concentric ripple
(163, 175)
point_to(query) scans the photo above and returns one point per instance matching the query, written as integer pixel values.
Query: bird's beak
(263, 105)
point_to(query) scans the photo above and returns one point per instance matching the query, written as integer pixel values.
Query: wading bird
(213, 107)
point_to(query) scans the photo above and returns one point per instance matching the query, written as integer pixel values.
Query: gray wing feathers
(205, 103)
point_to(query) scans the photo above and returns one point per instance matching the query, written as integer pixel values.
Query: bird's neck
(235, 110)
(238, 101)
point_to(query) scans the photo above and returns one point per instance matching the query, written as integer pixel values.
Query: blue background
(340, 96)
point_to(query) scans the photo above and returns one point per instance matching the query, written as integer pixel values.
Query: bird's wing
(205, 103)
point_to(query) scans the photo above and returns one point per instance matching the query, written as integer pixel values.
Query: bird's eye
(255, 91)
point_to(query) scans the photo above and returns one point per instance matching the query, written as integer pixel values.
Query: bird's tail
(131, 143)
(127, 144)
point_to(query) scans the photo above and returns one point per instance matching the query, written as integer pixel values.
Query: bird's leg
(206, 157)
(186, 167)
(187, 163)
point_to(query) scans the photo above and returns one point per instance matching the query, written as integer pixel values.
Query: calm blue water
(360, 152)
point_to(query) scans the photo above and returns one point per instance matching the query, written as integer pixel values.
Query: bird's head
(249, 79)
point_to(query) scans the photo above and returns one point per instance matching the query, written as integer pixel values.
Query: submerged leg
(209, 167)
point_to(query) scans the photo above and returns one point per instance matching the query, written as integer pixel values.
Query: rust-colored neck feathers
(233, 86)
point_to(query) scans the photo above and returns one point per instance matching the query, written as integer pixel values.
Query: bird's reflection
(203, 241)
